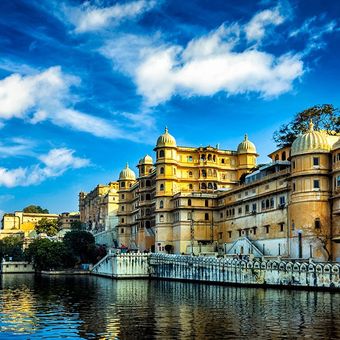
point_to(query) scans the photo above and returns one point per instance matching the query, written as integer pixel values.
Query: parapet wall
(221, 270)
(256, 272)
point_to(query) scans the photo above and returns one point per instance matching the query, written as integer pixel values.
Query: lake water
(92, 307)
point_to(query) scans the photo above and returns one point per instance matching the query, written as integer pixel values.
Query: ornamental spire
(166, 130)
(246, 137)
(311, 125)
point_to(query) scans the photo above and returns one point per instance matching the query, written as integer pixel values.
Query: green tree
(35, 209)
(325, 117)
(76, 225)
(82, 245)
(12, 246)
(47, 226)
(47, 255)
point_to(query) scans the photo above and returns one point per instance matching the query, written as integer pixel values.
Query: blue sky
(87, 86)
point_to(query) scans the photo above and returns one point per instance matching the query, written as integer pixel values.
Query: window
(338, 181)
(147, 197)
(161, 171)
(189, 216)
(122, 208)
(229, 234)
(282, 200)
(221, 214)
(284, 155)
(281, 226)
(316, 184)
(161, 187)
(267, 229)
(206, 202)
(247, 208)
(209, 157)
(189, 158)
(161, 153)
(148, 183)
(263, 204)
(161, 205)
(206, 216)
(220, 235)
(240, 210)
(123, 196)
(189, 202)
(203, 186)
(122, 184)
(210, 186)
(294, 186)
(204, 173)
(272, 202)
(222, 160)
(254, 230)
(317, 223)
(239, 232)
(293, 163)
(190, 186)
(316, 161)
(190, 173)
(161, 218)
(254, 207)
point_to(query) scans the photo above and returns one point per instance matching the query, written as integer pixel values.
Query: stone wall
(256, 272)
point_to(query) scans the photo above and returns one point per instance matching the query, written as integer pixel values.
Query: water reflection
(99, 308)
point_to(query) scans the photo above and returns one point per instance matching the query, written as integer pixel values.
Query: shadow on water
(90, 307)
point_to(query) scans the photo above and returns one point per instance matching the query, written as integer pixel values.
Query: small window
(189, 202)
(161, 153)
(161, 218)
(161, 187)
(338, 181)
(229, 234)
(206, 203)
(190, 173)
(293, 163)
(189, 158)
(281, 227)
(239, 232)
(123, 196)
(161, 205)
(189, 216)
(254, 207)
(317, 223)
(316, 161)
(122, 184)
(122, 208)
(122, 220)
(220, 235)
(240, 210)
(221, 214)
(254, 230)
(190, 186)
(272, 202)
(148, 183)
(161, 171)
(267, 229)
(282, 200)
(316, 184)
(294, 186)
(122, 230)
(206, 216)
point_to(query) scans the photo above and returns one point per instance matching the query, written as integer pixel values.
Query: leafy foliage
(35, 209)
(325, 117)
(12, 247)
(47, 254)
(76, 225)
(47, 226)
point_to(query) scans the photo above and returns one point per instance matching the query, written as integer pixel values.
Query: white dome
(127, 174)
(246, 146)
(166, 139)
(146, 160)
(310, 142)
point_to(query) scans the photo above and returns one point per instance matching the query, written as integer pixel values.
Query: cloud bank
(52, 164)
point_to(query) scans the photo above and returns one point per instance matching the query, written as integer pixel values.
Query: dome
(166, 139)
(127, 174)
(310, 142)
(146, 160)
(336, 145)
(246, 146)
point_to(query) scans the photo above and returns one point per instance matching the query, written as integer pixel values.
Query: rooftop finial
(166, 129)
(311, 125)
(246, 137)
(127, 165)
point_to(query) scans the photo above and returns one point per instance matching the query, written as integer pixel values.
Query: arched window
(122, 208)
(161, 205)
(209, 157)
(122, 220)
(122, 184)
(206, 216)
(272, 202)
(204, 173)
(203, 186)
(214, 158)
(147, 197)
(267, 203)
(210, 186)
(161, 153)
(206, 202)
(317, 223)
(189, 202)
(161, 187)
(161, 218)
(283, 157)
(189, 158)
(161, 171)
(190, 173)
(147, 183)
(215, 186)
(202, 157)
(190, 186)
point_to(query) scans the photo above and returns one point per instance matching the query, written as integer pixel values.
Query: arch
(203, 186)
(283, 156)
(210, 186)
(161, 153)
(161, 218)
(190, 173)
(161, 187)
(209, 157)
(161, 204)
(190, 186)
(214, 158)
(161, 171)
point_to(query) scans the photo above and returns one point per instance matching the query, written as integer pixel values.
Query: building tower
(127, 179)
(336, 201)
(166, 187)
(309, 209)
(246, 151)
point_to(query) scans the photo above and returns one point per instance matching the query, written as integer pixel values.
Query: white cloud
(47, 96)
(256, 28)
(53, 164)
(16, 147)
(91, 18)
(211, 64)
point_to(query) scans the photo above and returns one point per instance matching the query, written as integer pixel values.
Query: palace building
(205, 199)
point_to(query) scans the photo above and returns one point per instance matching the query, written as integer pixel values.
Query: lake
(90, 307)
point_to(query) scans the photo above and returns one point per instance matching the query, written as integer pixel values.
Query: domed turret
(127, 174)
(146, 160)
(166, 140)
(246, 146)
(310, 142)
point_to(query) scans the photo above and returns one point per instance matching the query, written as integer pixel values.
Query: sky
(87, 86)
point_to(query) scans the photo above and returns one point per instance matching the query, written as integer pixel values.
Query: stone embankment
(260, 272)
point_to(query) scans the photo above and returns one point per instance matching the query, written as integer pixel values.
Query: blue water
(88, 307)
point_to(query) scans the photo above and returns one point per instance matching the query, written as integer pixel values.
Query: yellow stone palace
(205, 199)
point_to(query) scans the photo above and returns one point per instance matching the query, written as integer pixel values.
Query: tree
(35, 209)
(12, 247)
(47, 226)
(82, 245)
(47, 255)
(76, 225)
(325, 117)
